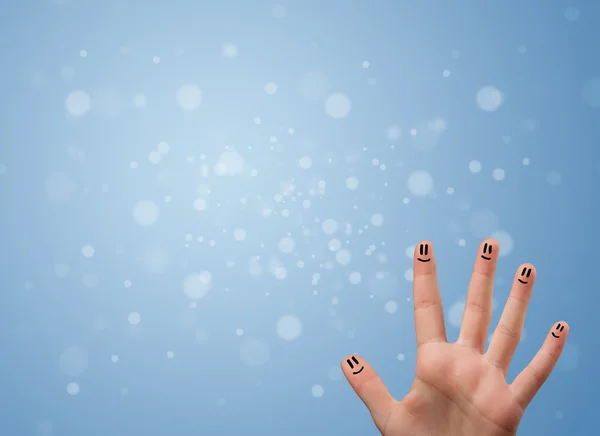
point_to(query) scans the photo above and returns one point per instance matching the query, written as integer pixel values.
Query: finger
(531, 379)
(478, 308)
(369, 388)
(429, 315)
(507, 335)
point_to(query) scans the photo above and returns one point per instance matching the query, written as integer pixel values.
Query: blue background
(74, 359)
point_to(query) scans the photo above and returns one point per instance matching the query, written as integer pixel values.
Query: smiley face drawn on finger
(487, 251)
(524, 275)
(354, 363)
(559, 328)
(423, 251)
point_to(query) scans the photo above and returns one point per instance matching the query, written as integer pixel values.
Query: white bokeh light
(197, 286)
(391, 307)
(352, 183)
(73, 361)
(229, 50)
(489, 98)
(338, 106)
(60, 188)
(270, 88)
(313, 87)
(163, 148)
(78, 103)
(200, 204)
(254, 352)
(355, 278)
(554, 178)
(305, 162)
(73, 388)
(286, 245)
(329, 226)
(420, 183)
(571, 13)
(591, 93)
(475, 166)
(505, 240)
(394, 132)
(145, 213)
(239, 234)
(377, 219)
(88, 251)
(484, 223)
(343, 257)
(455, 313)
(498, 174)
(230, 163)
(317, 391)
(61, 270)
(288, 327)
(278, 11)
(139, 100)
(134, 318)
(189, 97)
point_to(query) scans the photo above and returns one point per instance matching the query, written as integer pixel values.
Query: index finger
(429, 315)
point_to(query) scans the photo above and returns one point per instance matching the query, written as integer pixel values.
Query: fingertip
(525, 274)
(353, 365)
(487, 256)
(560, 329)
(424, 261)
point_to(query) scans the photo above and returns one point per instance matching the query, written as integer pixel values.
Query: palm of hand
(456, 392)
(458, 389)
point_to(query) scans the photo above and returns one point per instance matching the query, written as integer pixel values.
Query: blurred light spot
(420, 183)
(313, 87)
(73, 361)
(196, 286)
(329, 226)
(278, 11)
(60, 188)
(286, 245)
(489, 99)
(78, 103)
(475, 166)
(484, 223)
(572, 13)
(189, 97)
(505, 240)
(391, 307)
(498, 174)
(355, 278)
(591, 93)
(305, 162)
(338, 106)
(73, 388)
(87, 251)
(270, 88)
(351, 183)
(289, 328)
(229, 50)
(455, 313)
(317, 391)
(377, 219)
(134, 318)
(554, 178)
(254, 352)
(145, 213)
(343, 257)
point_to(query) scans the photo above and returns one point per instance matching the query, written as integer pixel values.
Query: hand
(460, 390)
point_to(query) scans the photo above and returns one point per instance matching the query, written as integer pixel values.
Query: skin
(460, 389)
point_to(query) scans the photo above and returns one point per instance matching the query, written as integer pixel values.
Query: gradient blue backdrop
(97, 334)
